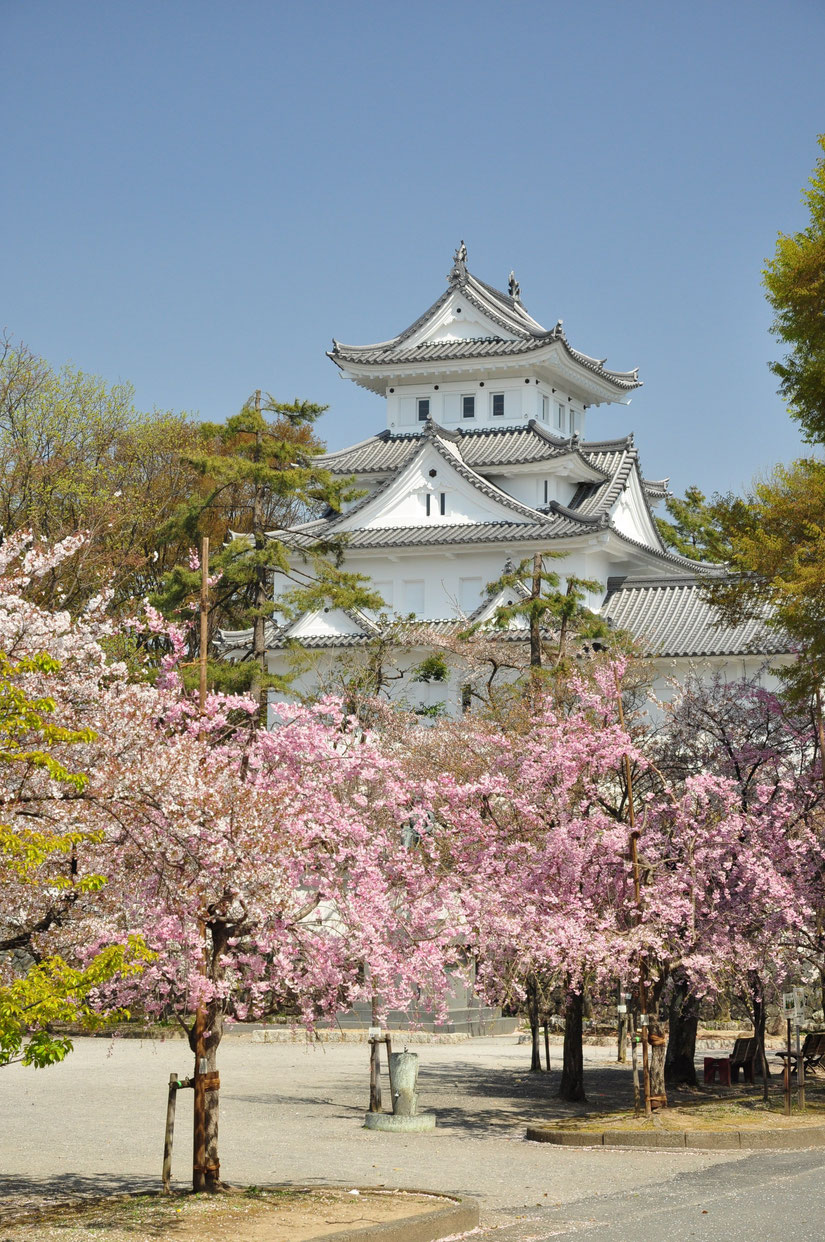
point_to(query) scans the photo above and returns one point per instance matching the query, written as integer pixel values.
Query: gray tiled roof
(439, 439)
(443, 535)
(483, 448)
(669, 617)
(672, 618)
(477, 347)
(505, 311)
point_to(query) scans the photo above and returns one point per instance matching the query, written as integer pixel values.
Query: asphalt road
(293, 1115)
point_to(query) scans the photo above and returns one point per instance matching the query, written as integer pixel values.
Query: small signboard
(793, 1006)
(374, 1032)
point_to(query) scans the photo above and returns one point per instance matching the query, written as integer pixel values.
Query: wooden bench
(743, 1057)
(812, 1053)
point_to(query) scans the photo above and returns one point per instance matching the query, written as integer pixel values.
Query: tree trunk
(758, 1009)
(533, 1016)
(621, 1039)
(258, 688)
(376, 1105)
(657, 1033)
(214, 1020)
(535, 624)
(680, 1058)
(571, 1087)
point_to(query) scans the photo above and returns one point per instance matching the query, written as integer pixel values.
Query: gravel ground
(293, 1114)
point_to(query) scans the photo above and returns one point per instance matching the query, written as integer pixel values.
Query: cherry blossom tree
(49, 666)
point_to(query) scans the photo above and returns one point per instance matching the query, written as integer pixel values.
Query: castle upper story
(476, 358)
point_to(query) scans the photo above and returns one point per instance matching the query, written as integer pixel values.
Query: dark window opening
(423, 409)
(427, 503)
(443, 503)
(468, 407)
(498, 404)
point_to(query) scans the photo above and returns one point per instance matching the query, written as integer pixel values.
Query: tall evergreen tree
(552, 615)
(259, 475)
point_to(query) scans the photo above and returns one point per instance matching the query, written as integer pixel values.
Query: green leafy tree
(75, 454)
(776, 538)
(776, 534)
(49, 990)
(795, 284)
(259, 476)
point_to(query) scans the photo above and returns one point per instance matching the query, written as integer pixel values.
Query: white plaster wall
(522, 402)
(630, 514)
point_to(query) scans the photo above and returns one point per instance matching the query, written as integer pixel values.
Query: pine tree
(537, 599)
(259, 477)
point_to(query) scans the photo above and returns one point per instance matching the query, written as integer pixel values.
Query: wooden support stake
(199, 1120)
(170, 1132)
(204, 620)
(375, 1076)
(634, 1058)
(788, 1072)
(175, 1085)
(547, 1044)
(375, 1071)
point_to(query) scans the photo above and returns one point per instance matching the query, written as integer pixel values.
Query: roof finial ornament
(514, 288)
(459, 271)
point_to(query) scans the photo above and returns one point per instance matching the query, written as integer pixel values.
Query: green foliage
(776, 537)
(795, 283)
(75, 454)
(432, 668)
(696, 530)
(51, 991)
(25, 727)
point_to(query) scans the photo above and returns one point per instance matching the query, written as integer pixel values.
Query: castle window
(561, 417)
(545, 409)
(428, 503)
(468, 407)
(423, 409)
(498, 404)
(443, 503)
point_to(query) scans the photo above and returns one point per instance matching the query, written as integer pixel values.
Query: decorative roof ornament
(514, 288)
(459, 269)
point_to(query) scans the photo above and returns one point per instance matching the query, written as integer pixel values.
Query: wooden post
(788, 1071)
(199, 1136)
(375, 1075)
(204, 620)
(637, 893)
(634, 1059)
(546, 1044)
(800, 1071)
(199, 1120)
(170, 1133)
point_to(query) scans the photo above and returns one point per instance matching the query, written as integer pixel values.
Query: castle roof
(675, 618)
(504, 330)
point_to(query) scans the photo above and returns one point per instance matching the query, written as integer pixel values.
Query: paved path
(292, 1114)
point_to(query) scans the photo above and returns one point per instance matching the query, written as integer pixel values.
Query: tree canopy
(795, 285)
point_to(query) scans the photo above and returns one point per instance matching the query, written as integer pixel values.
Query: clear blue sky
(197, 196)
